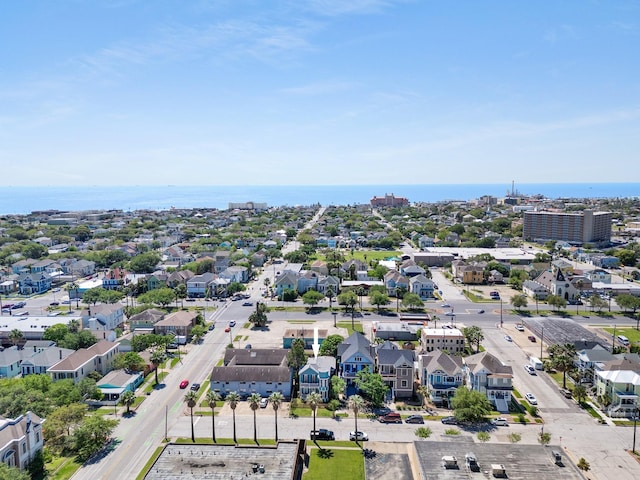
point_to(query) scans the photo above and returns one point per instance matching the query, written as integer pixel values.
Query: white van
(623, 340)
(535, 363)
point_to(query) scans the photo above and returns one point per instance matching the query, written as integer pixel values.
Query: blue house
(355, 354)
(116, 382)
(315, 376)
(442, 374)
(10, 359)
(30, 283)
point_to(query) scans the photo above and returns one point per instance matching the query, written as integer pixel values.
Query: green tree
(157, 357)
(254, 404)
(212, 398)
(131, 361)
(92, 435)
(330, 294)
(474, 336)
(423, 391)
(16, 336)
(338, 387)
(92, 296)
(627, 257)
(191, 399)
(356, 403)
(276, 399)
(55, 333)
(259, 316)
(235, 287)
(470, 405)
(89, 389)
(412, 301)
(180, 291)
(197, 332)
(144, 263)
(519, 301)
(379, 299)
(627, 302)
(12, 473)
(596, 302)
(400, 293)
(372, 385)
(296, 359)
(128, 398)
(329, 346)
(562, 359)
(313, 400)
(556, 302)
(312, 298)
(580, 393)
(233, 398)
(159, 296)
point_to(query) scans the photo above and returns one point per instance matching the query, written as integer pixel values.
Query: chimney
(60, 352)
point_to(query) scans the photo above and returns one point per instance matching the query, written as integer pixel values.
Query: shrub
(423, 432)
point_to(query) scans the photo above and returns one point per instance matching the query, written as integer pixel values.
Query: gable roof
(439, 360)
(356, 343)
(486, 361)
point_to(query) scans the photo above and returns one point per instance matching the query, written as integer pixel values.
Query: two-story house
(394, 281)
(619, 383)
(20, 439)
(396, 366)
(248, 371)
(178, 323)
(315, 376)
(308, 280)
(103, 316)
(32, 283)
(96, 358)
(422, 286)
(355, 353)
(442, 374)
(287, 280)
(488, 375)
(199, 285)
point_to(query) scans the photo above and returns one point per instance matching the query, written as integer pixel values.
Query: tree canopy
(372, 386)
(470, 405)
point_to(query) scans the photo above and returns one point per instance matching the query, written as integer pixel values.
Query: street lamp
(500, 312)
(335, 314)
(635, 418)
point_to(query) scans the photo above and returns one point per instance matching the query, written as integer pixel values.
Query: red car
(184, 383)
(228, 329)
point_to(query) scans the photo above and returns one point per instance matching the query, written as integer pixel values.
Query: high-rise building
(583, 227)
(389, 200)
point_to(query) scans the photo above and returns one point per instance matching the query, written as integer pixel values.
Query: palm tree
(73, 326)
(156, 358)
(314, 399)
(16, 336)
(70, 287)
(423, 390)
(191, 398)
(211, 398)
(276, 398)
(233, 398)
(580, 393)
(128, 398)
(330, 294)
(254, 403)
(562, 357)
(357, 403)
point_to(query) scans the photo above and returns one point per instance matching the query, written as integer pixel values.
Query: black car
(195, 387)
(322, 434)
(414, 419)
(450, 421)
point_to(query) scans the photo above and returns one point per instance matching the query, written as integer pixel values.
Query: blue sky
(231, 92)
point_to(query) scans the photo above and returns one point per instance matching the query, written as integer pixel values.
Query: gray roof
(356, 343)
(485, 360)
(256, 357)
(48, 357)
(395, 357)
(234, 373)
(439, 360)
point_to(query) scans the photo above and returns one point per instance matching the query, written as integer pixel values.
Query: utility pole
(541, 341)
(500, 312)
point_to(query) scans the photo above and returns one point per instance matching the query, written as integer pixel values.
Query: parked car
(212, 326)
(358, 436)
(264, 402)
(531, 398)
(247, 346)
(449, 421)
(508, 338)
(499, 421)
(520, 327)
(184, 384)
(195, 387)
(530, 370)
(322, 434)
(392, 417)
(247, 304)
(53, 304)
(532, 338)
(414, 419)
(190, 299)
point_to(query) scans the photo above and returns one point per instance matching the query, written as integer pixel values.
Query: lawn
(347, 325)
(306, 412)
(327, 463)
(631, 333)
(62, 468)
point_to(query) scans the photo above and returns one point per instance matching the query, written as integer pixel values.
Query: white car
(530, 370)
(520, 327)
(531, 398)
(450, 314)
(358, 436)
(264, 402)
(502, 422)
(508, 338)
(445, 305)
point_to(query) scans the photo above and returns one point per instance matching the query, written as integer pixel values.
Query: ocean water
(20, 200)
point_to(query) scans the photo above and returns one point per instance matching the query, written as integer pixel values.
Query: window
(403, 384)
